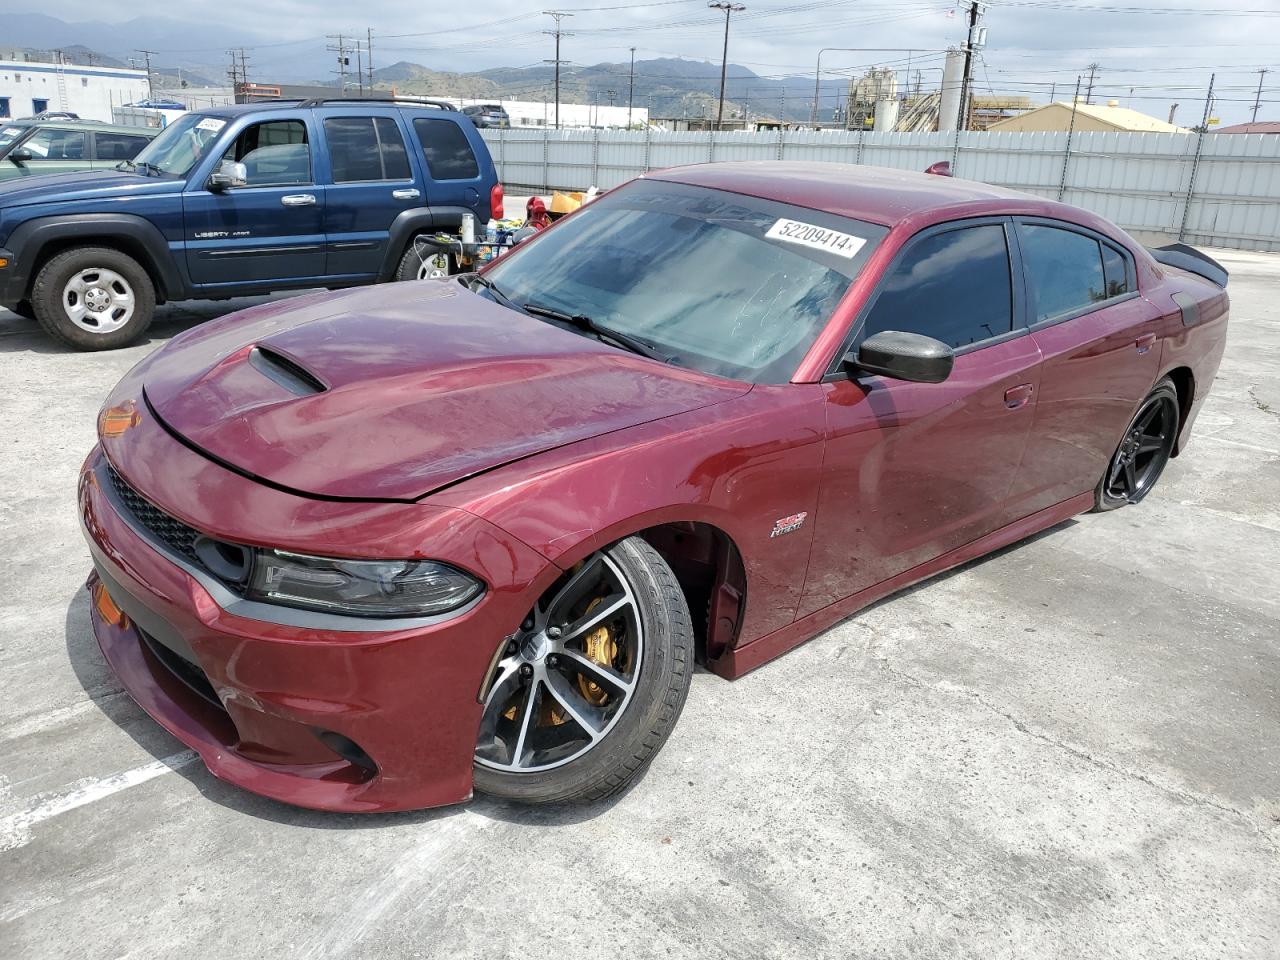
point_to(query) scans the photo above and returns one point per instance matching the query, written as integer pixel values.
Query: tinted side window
(274, 153)
(953, 286)
(366, 148)
(1115, 269)
(50, 144)
(447, 151)
(1064, 269)
(118, 146)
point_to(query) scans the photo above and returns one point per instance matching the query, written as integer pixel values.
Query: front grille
(179, 537)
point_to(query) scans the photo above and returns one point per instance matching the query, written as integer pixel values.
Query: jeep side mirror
(228, 175)
(903, 356)
(20, 156)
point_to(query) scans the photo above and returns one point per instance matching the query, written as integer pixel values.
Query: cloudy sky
(1150, 53)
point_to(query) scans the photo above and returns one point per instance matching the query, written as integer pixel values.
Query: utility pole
(728, 8)
(147, 54)
(239, 72)
(631, 88)
(344, 61)
(1262, 75)
(557, 15)
(611, 94)
(962, 120)
(368, 49)
(1088, 90)
(360, 67)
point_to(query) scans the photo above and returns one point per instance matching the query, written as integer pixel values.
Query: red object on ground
(536, 214)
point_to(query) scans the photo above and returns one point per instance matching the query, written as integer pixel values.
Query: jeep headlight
(363, 588)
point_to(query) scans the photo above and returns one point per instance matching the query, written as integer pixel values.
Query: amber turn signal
(114, 421)
(107, 608)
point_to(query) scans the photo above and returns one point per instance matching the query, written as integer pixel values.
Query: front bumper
(260, 701)
(13, 284)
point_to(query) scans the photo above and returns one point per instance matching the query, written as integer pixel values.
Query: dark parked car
(363, 551)
(241, 200)
(487, 115)
(42, 146)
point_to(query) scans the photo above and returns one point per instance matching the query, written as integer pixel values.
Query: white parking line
(15, 829)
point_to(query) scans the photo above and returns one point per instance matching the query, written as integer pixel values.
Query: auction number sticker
(211, 123)
(819, 238)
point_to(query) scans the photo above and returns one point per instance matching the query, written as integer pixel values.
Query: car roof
(96, 125)
(874, 194)
(238, 109)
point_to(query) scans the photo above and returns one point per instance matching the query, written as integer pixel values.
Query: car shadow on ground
(104, 690)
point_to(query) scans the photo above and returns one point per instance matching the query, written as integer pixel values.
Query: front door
(912, 470)
(269, 232)
(50, 150)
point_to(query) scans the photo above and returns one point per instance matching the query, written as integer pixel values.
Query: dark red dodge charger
(369, 550)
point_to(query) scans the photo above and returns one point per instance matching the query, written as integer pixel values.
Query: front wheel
(1144, 450)
(588, 688)
(93, 298)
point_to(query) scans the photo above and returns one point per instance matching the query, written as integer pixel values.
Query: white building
(28, 88)
(531, 113)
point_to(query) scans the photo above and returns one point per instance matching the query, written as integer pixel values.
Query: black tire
(24, 309)
(1144, 450)
(412, 264)
(659, 688)
(49, 297)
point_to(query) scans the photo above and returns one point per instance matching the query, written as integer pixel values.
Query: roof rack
(410, 101)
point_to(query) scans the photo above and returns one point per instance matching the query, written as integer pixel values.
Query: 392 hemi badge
(788, 524)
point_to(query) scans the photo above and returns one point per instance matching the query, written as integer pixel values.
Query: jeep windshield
(179, 146)
(719, 282)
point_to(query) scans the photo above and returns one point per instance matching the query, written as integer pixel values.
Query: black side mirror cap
(20, 156)
(904, 356)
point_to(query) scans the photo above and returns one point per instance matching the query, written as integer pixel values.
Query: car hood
(393, 392)
(85, 185)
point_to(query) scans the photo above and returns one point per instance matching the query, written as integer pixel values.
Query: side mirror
(229, 174)
(21, 156)
(904, 356)
(940, 169)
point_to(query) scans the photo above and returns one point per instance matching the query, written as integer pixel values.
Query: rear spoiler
(1192, 260)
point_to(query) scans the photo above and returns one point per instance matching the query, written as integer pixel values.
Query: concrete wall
(91, 92)
(1219, 190)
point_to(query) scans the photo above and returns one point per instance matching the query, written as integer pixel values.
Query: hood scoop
(285, 372)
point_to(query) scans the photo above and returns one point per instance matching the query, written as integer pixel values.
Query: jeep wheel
(423, 262)
(93, 298)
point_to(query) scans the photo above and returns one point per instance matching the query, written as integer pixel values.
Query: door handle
(409, 194)
(299, 200)
(1144, 342)
(1018, 396)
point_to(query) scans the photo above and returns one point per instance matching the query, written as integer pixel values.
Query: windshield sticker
(819, 238)
(211, 123)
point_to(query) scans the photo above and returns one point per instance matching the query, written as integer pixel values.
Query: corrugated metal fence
(1215, 190)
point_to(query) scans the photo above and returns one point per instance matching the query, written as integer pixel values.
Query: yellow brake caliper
(601, 648)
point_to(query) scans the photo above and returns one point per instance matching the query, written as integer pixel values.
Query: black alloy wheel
(1144, 450)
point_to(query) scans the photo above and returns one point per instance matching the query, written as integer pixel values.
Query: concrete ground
(1069, 749)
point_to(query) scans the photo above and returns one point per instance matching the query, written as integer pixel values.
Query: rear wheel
(588, 688)
(93, 298)
(1144, 450)
(422, 261)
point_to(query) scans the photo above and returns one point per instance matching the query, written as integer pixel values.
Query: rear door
(455, 176)
(371, 183)
(1100, 354)
(913, 471)
(269, 232)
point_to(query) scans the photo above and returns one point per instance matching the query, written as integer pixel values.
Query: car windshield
(179, 146)
(9, 134)
(719, 282)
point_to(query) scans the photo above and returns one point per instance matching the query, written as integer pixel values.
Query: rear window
(366, 148)
(446, 149)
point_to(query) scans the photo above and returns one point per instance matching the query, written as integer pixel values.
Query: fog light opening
(347, 749)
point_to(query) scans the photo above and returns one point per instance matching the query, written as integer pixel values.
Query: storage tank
(952, 81)
(886, 116)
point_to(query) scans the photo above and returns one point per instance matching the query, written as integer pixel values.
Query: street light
(728, 8)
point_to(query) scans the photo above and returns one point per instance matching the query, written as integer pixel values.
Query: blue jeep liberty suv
(242, 200)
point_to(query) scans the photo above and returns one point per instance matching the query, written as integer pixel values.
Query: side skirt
(741, 660)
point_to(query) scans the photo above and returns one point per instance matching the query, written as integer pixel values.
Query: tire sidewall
(663, 684)
(46, 297)
(411, 261)
(1103, 502)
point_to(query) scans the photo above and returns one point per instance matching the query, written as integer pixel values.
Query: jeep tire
(93, 298)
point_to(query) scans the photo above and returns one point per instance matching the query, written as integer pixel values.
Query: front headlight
(364, 588)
